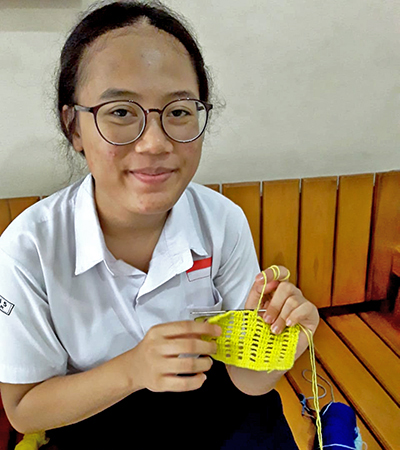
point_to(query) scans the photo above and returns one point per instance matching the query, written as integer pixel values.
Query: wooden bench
(340, 238)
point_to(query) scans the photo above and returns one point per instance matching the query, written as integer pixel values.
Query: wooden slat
(378, 411)
(302, 386)
(247, 196)
(395, 283)
(396, 261)
(379, 359)
(317, 227)
(280, 223)
(214, 187)
(5, 216)
(383, 324)
(353, 220)
(17, 205)
(302, 427)
(385, 232)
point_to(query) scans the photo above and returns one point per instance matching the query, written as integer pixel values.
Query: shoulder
(39, 224)
(215, 217)
(211, 203)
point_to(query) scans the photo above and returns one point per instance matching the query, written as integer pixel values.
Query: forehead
(140, 58)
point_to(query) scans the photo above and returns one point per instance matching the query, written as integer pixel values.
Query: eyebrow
(181, 94)
(113, 93)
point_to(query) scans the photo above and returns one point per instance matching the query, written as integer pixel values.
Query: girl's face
(151, 67)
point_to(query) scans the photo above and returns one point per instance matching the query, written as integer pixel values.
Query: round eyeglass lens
(120, 122)
(184, 120)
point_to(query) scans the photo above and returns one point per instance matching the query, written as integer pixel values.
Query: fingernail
(275, 329)
(260, 277)
(289, 323)
(268, 319)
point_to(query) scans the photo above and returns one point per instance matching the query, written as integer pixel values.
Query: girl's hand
(283, 301)
(169, 351)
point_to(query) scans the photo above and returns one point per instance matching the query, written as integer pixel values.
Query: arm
(258, 383)
(287, 306)
(153, 364)
(65, 400)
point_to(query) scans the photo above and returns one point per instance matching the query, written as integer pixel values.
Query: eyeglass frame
(94, 110)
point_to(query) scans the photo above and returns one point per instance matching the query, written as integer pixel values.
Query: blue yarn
(339, 427)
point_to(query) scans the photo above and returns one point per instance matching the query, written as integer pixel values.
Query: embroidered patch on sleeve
(5, 306)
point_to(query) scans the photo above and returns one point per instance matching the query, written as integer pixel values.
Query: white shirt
(67, 305)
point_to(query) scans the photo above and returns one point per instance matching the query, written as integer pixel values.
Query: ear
(71, 123)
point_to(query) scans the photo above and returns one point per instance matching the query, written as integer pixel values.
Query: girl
(103, 275)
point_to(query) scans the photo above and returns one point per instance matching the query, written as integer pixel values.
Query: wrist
(129, 372)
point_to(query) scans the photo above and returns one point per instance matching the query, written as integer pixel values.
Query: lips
(152, 175)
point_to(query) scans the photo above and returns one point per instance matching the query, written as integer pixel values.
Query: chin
(159, 203)
(153, 208)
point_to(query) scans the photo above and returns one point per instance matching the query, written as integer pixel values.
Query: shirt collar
(178, 240)
(173, 254)
(89, 239)
(180, 230)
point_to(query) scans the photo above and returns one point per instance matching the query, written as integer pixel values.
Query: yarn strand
(314, 380)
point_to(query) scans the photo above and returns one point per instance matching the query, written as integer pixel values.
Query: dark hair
(110, 17)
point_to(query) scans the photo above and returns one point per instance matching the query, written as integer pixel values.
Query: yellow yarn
(247, 341)
(32, 441)
(314, 384)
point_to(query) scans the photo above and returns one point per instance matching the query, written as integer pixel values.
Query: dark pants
(215, 417)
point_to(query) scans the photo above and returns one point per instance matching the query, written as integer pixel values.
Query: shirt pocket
(210, 301)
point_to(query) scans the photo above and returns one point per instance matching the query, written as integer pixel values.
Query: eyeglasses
(122, 122)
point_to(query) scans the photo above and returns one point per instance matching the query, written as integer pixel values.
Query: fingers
(287, 306)
(188, 346)
(283, 309)
(279, 273)
(257, 289)
(184, 384)
(274, 275)
(169, 351)
(179, 366)
(187, 328)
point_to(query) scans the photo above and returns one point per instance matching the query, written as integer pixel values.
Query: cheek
(111, 154)
(193, 154)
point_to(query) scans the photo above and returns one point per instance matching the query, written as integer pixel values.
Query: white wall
(312, 88)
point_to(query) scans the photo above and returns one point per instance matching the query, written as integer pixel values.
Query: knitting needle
(215, 313)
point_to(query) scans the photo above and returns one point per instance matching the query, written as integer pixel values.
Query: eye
(179, 113)
(120, 112)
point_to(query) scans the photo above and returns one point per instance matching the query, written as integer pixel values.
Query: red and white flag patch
(200, 269)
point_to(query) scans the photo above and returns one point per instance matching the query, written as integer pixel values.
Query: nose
(153, 140)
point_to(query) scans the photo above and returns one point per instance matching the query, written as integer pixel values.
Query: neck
(130, 225)
(118, 222)
(131, 237)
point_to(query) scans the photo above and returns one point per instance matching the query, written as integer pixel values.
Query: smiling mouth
(152, 176)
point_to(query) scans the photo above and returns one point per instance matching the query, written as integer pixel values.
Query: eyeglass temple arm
(82, 108)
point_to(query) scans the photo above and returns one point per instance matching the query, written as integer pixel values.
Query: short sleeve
(30, 351)
(239, 267)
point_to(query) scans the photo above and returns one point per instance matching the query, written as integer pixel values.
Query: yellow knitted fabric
(32, 441)
(247, 341)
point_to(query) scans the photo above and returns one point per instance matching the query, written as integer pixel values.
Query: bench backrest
(335, 234)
